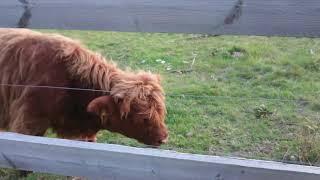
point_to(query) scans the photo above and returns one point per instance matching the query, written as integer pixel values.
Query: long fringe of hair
(93, 69)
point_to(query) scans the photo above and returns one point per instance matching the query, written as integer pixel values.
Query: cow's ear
(124, 105)
(102, 106)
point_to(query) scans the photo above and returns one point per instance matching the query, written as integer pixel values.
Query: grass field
(255, 97)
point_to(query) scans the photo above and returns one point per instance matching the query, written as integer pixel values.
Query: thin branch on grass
(201, 36)
(187, 70)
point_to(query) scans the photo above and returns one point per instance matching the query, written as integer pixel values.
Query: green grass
(264, 92)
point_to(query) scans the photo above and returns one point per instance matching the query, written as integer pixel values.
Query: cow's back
(28, 58)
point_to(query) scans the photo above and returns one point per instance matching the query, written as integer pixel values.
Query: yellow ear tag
(103, 116)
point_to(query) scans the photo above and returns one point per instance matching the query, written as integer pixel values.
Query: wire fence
(186, 95)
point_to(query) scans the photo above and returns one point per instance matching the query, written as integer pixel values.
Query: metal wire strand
(170, 95)
(54, 87)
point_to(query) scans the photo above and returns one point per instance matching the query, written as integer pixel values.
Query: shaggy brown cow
(134, 106)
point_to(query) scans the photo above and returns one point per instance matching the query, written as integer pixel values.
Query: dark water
(254, 17)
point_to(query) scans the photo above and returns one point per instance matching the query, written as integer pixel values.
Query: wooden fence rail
(107, 161)
(243, 17)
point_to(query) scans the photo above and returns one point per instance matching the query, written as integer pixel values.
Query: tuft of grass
(312, 66)
(237, 52)
(306, 147)
(262, 111)
(309, 143)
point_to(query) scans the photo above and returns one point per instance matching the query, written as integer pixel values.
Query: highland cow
(45, 81)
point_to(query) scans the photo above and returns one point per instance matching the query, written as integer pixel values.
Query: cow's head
(135, 108)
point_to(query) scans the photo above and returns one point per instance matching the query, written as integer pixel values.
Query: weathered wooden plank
(106, 161)
(239, 17)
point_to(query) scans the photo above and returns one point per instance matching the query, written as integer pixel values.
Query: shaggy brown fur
(135, 106)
